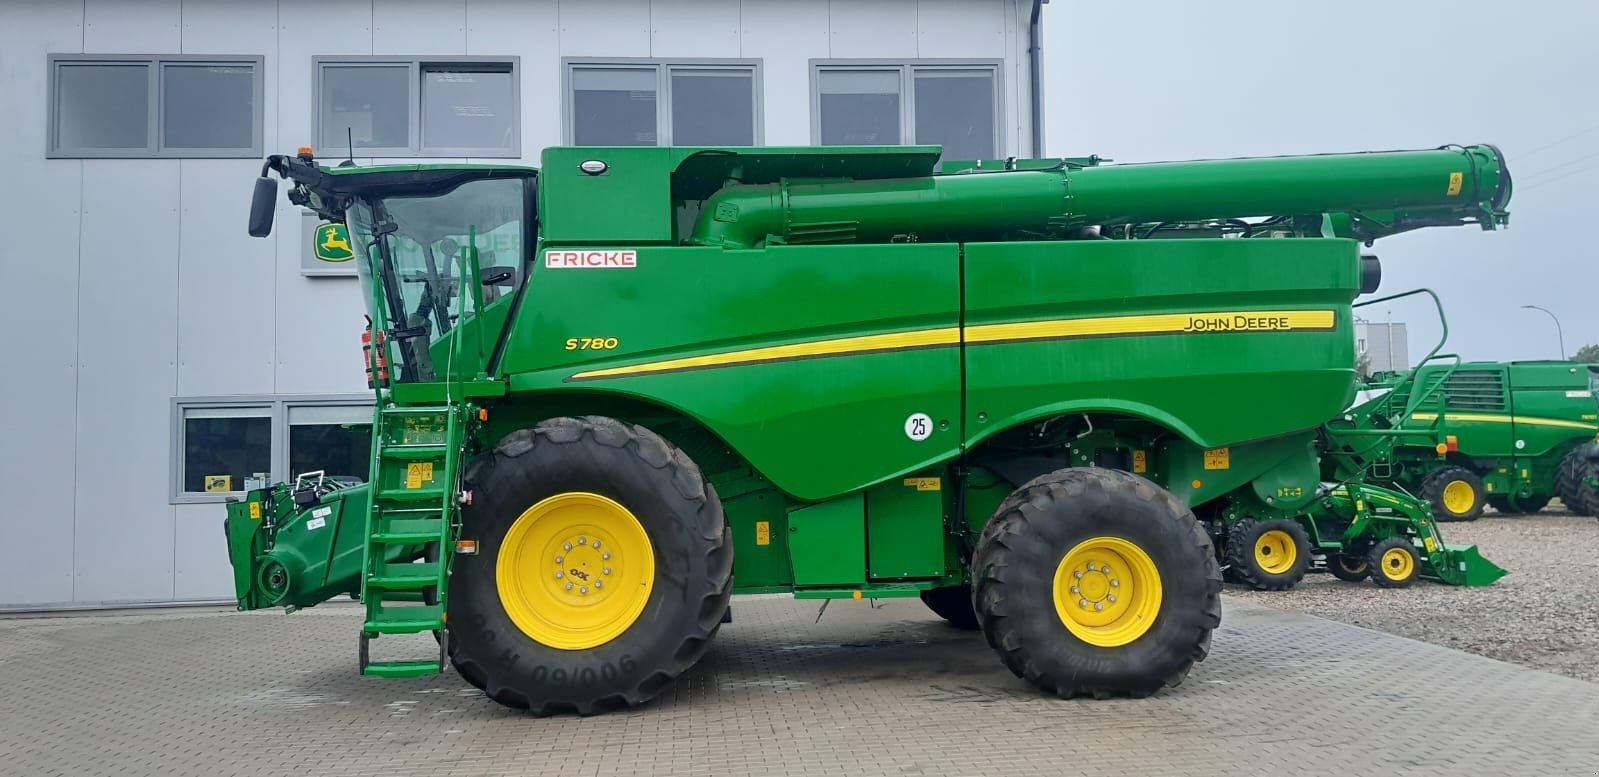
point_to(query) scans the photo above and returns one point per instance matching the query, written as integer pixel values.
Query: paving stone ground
(885, 690)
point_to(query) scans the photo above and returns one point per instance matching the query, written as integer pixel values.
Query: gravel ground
(1544, 614)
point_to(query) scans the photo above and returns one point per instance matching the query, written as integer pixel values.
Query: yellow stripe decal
(1506, 419)
(1166, 323)
(988, 334)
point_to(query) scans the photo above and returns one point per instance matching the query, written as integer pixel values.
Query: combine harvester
(1510, 435)
(605, 384)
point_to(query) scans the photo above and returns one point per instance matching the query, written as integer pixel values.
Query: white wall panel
(885, 28)
(530, 31)
(610, 29)
(121, 27)
(419, 26)
(961, 28)
(39, 221)
(201, 571)
(785, 36)
(127, 356)
(694, 28)
(318, 320)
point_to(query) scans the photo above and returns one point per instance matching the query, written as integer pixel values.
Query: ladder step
(409, 494)
(410, 410)
(413, 452)
(402, 668)
(405, 620)
(408, 531)
(405, 577)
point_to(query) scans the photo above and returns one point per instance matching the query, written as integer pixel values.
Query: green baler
(1511, 435)
(617, 389)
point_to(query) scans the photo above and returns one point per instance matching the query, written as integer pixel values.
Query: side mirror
(263, 206)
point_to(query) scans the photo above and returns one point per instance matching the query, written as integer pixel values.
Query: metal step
(405, 620)
(408, 531)
(402, 668)
(413, 452)
(405, 577)
(409, 494)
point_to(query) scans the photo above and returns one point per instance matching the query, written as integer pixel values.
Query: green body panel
(1214, 387)
(826, 331)
(827, 542)
(1512, 423)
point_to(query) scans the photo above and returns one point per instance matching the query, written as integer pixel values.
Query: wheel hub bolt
(1074, 590)
(559, 574)
(1111, 598)
(567, 546)
(1115, 584)
(1078, 574)
(1099, 606)
(1082, 603)
(568, 586)
(596, 544)
(1090, 566)
(584, 590)
(1106, 570)
(606, 571)
(559, 559)
(606, 556)
(582, 540)
(599, 583)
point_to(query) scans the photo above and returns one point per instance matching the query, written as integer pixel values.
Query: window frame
(416, 67)
(664, 67)
(277, 406)
(153, 148)
(907, 70)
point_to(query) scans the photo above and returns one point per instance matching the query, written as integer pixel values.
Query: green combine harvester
(1511, 435)
(615, 390)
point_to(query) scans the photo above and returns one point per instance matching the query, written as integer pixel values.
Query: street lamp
(1558, 333)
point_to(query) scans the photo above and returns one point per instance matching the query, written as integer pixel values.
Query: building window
(155, 106)
(224, 449)
(332, 439)
(954, 105)
(417, 107)
(223, 446)
(663, 103)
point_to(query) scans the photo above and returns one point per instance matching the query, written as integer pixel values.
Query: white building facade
(1385, 345)
(163, 360)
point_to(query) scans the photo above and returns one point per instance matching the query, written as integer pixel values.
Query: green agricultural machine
(1511, 435)
(615, 390)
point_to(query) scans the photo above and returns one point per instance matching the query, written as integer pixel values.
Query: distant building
(1386, 346)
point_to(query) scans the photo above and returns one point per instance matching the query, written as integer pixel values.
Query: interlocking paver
(868, 690)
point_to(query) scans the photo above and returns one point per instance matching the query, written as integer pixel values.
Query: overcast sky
(1183, 79)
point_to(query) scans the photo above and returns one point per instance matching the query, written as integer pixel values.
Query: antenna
(349, 135)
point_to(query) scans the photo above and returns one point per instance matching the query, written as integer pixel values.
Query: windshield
(419, 246)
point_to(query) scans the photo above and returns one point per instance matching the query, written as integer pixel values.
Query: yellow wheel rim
(1107, 591)
(1275, 552)
(1397, 564)
(1459, 497)
(575, 571)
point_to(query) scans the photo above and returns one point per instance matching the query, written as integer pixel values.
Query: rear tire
(564, 476)
(1456, 494)
(1352, 568)
(1124, 535)
(1268, 555)
(1568, 477)
(1527, 505)
(953, 604)
(1586, 496)
(1394, 563)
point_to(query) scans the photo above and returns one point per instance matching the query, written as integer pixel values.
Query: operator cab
(417, 231)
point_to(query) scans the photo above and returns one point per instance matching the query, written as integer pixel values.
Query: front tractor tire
(1349, 568)
(1394, 563)
(1579, 495)
(1268, 555)
(604, 568)
(1096, 582)
(1456, 494)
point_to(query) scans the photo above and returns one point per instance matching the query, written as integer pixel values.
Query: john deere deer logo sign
(333, 243)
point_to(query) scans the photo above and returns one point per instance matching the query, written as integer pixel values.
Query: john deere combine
(617, 389)
(1511, 435)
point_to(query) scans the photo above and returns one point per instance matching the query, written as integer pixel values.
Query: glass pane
(208, 106)
(956, 110)
(337, 449)
(713, 108)
(467, 109)
(103, 106)
(219, 454)
(859, 107)
(613, 107)
(372, 103)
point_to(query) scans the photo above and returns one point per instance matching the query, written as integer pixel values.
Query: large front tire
(531, 618)
(1456, 494)
(1096, 582)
